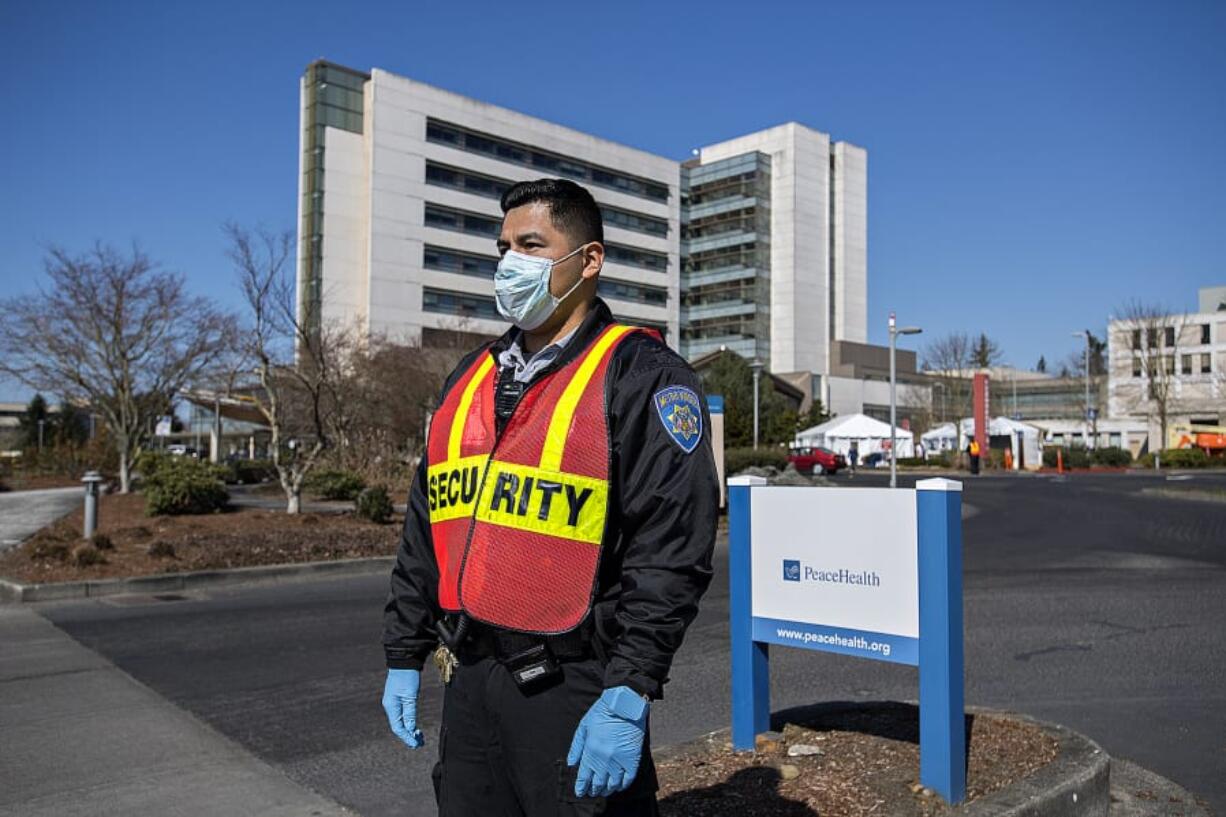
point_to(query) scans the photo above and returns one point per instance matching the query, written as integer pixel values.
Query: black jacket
(663, 503)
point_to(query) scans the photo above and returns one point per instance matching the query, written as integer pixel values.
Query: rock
(916, 788)
(804, 750)
(789, 772)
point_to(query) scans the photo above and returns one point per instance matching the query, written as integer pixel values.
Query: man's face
(530, 230)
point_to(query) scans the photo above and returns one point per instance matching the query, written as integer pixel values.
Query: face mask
(521, 288)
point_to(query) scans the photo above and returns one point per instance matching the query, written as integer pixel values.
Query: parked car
(817, 460)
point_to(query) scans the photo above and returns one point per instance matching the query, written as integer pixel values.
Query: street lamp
(757, 375)
(894, 333)
(1086, 415)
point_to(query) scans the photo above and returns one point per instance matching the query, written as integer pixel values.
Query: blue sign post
(842, 594)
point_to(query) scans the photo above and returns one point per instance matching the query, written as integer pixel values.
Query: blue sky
(1031, 165)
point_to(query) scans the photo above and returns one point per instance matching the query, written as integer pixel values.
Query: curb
(16, 593)
(1138, 792)
(1074, 784)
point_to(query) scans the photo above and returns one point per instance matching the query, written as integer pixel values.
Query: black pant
(503, 752)
(974, 463)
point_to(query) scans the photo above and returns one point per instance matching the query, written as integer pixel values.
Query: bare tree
(298, 361)
(1153, 343)
(113, 331)
(949, 361)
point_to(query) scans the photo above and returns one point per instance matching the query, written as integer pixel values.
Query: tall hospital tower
(756, 245)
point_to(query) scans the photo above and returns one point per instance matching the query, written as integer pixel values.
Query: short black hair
(571, 207)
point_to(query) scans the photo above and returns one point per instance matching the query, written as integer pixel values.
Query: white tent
(1024, 440)
(942, 438)
(870, 436)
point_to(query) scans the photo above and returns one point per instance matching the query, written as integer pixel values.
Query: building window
(465, 180)
(461, 221)
(464, 263)
(1169, 335)
(1136, 338)
(491, 187)
(634, 257)
(637, 222)
(1186, 366)
(1204, 333)
(1169, 363)
(1151, 337)
(625, 291)
(458, 303)
(508, 151)
(1136, 367)
(1206, 363)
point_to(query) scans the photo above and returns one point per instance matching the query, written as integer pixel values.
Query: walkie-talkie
(508, 393)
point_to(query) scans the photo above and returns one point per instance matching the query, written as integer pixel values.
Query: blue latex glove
(609, 743)
(400, 704)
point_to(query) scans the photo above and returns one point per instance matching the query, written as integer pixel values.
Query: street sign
(1092, 413)
(163, 427)
(892, 594)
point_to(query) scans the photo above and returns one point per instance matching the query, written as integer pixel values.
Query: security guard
(558, 537)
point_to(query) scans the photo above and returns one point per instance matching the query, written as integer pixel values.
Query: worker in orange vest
(558, 539)
(1008, 459)
(973, 451)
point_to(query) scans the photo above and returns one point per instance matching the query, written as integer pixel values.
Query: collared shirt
(513, 357)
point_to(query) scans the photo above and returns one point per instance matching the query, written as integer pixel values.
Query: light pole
(757, 375)
(894, 333)
(1086, 414)
(40, 436)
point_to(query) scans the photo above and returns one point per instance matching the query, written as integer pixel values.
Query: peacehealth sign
(870, 572)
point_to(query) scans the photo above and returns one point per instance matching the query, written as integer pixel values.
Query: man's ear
(593, 259)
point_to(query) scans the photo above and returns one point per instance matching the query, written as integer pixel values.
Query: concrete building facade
(795, 229)
(758, 245)
(1177, 361)
(399, 211)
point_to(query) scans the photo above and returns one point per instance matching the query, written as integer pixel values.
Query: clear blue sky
(1031, 165)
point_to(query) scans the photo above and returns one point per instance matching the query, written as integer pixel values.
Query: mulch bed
(862, 760)
(235, 538)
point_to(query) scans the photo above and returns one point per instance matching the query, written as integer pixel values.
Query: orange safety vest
(518, 521)
(974, 448)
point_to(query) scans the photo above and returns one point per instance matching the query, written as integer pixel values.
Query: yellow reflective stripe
(564, 411)
(466, 401)
(536, 500)
(451, 487)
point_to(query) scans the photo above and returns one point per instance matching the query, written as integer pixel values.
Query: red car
(817, 460)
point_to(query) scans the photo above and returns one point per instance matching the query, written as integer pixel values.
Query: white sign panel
(836, 569)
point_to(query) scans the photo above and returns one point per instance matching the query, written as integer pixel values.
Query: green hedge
(374, 504)
(1177, 458)
(181, 485)
(738, 459)
(335, 484)
(1111, 457)
(1074, 456)
(250, 472)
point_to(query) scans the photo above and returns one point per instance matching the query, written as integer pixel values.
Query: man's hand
(400, 704)
(609, 743)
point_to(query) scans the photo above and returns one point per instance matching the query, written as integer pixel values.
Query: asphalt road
(1091, 601)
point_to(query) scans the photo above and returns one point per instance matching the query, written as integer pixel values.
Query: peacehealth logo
(794, 571)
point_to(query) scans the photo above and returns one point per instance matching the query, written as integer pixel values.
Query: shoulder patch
(681, 413)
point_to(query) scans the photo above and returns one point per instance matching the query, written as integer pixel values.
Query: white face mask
(521, 288)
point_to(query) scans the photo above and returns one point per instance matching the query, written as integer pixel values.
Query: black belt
(485, 641)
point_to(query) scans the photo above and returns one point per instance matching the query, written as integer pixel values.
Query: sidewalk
(84, 738)
(24, 512)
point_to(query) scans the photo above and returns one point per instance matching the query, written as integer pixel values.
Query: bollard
(92, 480)
(1059, 461)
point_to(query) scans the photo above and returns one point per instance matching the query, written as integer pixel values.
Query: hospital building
(756, 244)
